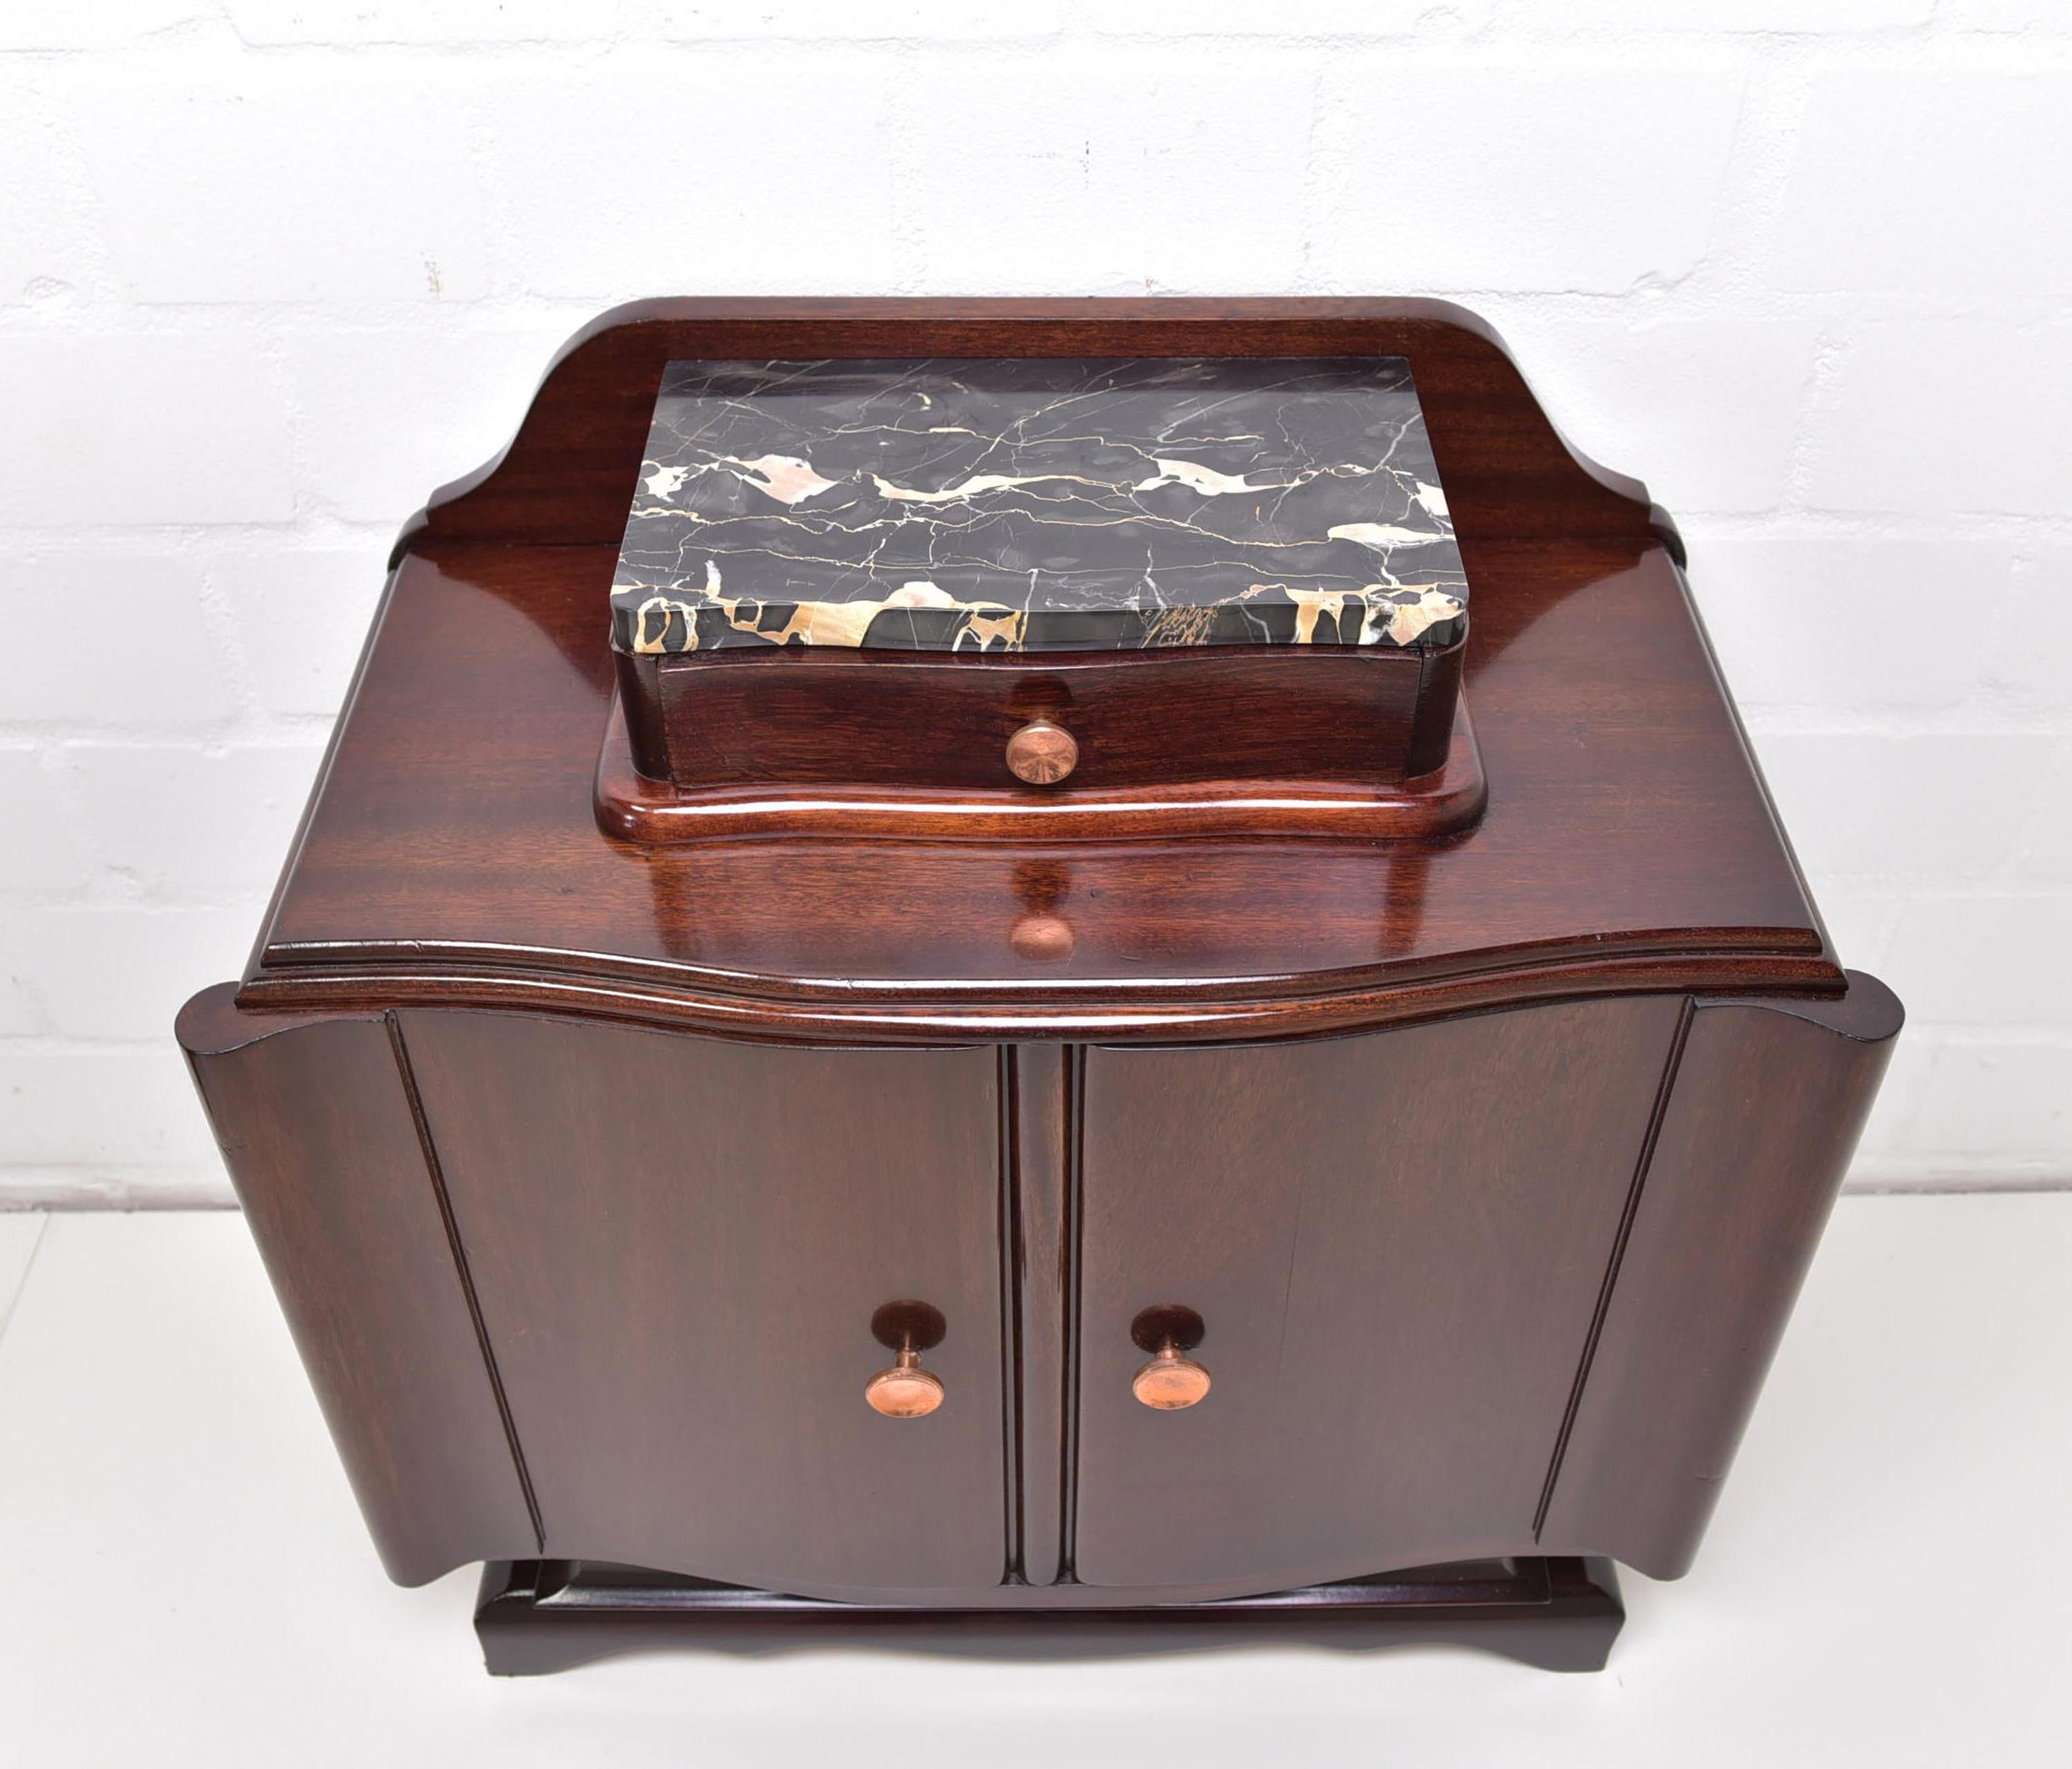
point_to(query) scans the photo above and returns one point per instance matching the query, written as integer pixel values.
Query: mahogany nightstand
(781, 1104)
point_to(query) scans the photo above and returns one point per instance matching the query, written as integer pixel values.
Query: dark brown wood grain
(678, 1246)
(453, 854)
(1421, 1299)
(811, 716)
(1396, 1243)
(1258, 804)
(1764, 1110)
(316, 1128)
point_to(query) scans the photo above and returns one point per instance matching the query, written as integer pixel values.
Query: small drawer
(803, 716)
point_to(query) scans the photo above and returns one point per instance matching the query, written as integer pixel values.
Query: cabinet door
(1396, 1243)
(677, 1245)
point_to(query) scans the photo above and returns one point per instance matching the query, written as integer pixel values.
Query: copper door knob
(1042, 754)
(1171, 1381)
(906, 1391)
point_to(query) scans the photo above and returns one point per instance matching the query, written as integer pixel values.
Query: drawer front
(804, 717)
(679, 1246)
(1394, 1244)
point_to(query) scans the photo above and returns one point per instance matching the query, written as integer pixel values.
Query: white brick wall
(269, 269)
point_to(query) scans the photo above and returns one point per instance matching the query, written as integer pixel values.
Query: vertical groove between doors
(1015, 1495)
(1068, 1473)
(1660, 1110)
(431, 1154)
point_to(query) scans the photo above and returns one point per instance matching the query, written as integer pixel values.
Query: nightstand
(1319, 1140)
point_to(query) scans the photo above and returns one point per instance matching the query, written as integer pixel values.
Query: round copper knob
(906, 1391)
(1171, 1381)
(1042, 754)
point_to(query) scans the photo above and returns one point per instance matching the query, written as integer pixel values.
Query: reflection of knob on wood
(1171, 1381)
(1041, 937)
(906, 1391)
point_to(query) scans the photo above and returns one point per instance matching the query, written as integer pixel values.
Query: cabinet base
(535, 1616)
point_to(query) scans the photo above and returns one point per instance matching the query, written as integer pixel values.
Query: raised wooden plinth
(635, 808)
(537, 1616)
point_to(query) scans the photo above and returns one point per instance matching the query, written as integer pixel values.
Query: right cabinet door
(1396, 1243)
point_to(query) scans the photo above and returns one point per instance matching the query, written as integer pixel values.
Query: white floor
(182, 1577)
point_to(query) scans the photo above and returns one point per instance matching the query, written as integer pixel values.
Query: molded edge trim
(356, 990)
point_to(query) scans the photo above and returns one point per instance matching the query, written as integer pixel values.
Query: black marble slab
(1031, 504)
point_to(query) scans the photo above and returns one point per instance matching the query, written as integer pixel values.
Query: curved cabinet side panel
(1767, 1104)
(314, 1120)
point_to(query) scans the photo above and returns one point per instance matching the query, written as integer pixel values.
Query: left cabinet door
(677, 1245)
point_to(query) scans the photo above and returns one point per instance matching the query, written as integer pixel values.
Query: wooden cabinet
(1489, 1154)
(1403, 1247)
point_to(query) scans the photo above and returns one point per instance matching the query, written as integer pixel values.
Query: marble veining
(1031, 504)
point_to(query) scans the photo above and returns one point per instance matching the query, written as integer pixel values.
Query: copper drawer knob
(1042, 754)
(1171, 1381)
(906, 1391)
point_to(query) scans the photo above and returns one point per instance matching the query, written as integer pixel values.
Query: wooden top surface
(452, 854)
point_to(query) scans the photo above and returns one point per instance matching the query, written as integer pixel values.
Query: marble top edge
(1038, 503)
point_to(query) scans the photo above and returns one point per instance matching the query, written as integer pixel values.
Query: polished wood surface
(680, 1247)
(1767, 1104)
(802, 716)
(1395, 1243)
(452, 853)
(636, 1279)
(538, 1616)
(343, 1192)
(1026, 822)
